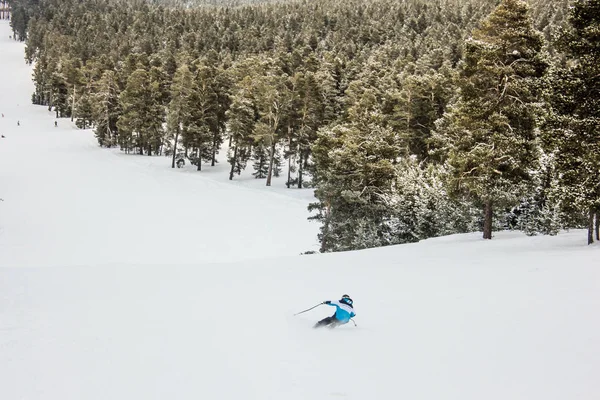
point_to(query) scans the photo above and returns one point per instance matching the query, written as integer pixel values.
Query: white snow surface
(123, 279)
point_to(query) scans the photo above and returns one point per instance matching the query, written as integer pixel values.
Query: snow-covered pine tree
(271, 97)
(140, 124)
(572, 134)
(418, 97)
(355, 164)
(160, 95)
(240, 117)
(84, 111)
(261, 156)
(540, 213)
(223, 87)
(203, 127)
(420, 207)
(178, 111)
(309, 117)
(106, 109)
(489, 134)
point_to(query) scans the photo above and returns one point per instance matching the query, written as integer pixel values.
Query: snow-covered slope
(77, 203)
(123, 279)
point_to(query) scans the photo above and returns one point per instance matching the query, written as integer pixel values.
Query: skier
(344, 310)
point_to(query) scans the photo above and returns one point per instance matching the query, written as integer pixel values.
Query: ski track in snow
(123, 279)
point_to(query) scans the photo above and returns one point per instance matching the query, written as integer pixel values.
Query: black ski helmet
(346, 300)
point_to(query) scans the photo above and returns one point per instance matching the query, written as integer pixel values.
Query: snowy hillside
(122, 279)
(76, 202)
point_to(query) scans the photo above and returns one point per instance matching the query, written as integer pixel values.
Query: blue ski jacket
(343, 312)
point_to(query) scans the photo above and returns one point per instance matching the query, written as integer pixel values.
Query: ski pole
(353, 322)
(308, 309)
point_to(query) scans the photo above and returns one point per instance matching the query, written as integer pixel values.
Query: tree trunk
(73, 105)
(325, 230)
(289, 178)
(487, 223)
(234, 161)
(271, 159)
(261, 164)
(303, 161)
(175, 147)
(598, 225)
(108, 131)
(214, 150)
(199, 161)
(300, 170)
(591, 227)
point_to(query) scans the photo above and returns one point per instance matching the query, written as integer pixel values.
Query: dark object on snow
(18, 123)
(55, 124)
(180, 160)
(3, 136)
(330, 322)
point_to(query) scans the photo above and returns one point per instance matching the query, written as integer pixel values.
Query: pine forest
(409, 119)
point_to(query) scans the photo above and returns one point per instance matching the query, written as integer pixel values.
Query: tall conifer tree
(573, 135)
(489, 135)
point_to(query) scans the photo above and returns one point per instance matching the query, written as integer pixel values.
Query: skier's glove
(327, 302)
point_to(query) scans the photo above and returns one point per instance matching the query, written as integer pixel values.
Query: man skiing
(344, 310)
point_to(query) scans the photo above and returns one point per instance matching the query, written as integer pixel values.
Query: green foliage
(387, 107)
(354, 174)
(240, 122)
(571, 133)
(140, 123)
(489, 135)
(106, 109)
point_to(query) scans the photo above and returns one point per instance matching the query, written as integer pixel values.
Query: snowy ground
(79, 203)
(123, 279)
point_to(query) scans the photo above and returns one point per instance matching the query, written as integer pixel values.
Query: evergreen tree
(356, 169)
(289, 70)
(203, 126)
(261, 157)
(84, 112)
(106, 109)
(241, 118)
(271, 98)
(572, 134)
(159, 97)
(310, 118)
(178, 115)
(417, 100)
(140, 124)
(489, 135)
(223, 86)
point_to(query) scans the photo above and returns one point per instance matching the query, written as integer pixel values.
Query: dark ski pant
(332, 322)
